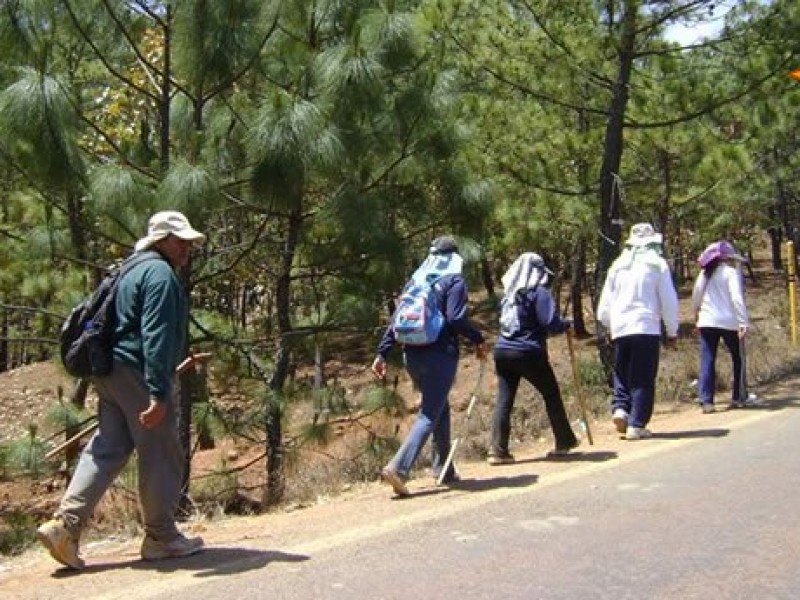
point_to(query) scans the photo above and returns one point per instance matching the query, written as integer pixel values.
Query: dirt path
(240, 544)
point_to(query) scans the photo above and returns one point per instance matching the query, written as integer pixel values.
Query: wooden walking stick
(188, 362)
(578, 387)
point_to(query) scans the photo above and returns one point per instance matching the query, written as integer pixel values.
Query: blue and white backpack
(418, 319)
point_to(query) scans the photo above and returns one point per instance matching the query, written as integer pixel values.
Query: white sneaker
(62, 546)
(620, 420)
(638, 433)
(153, 549)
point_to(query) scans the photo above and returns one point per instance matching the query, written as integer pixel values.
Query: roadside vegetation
(321, 146)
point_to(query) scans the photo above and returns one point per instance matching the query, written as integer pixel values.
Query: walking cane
(578, 388)
(745, 397)
(185, 364)
(473, 398)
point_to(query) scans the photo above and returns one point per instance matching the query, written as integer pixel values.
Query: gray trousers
(123, 395)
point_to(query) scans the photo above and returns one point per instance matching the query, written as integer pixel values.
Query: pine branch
(784, 65)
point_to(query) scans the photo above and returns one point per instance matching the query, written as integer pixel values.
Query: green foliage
(379, 397)
(65, 415)
(5, 460)
(208, 420)
(26, 455)
(217, 488)
(17, 533)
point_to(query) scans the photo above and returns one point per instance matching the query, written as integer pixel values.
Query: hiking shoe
(563, 450)
(620, 420)
(452, 480)
(708, 408)
(500, 459)
(637, 433)
(752, 400)
(62, 546)
(153, 549)
(396, 480)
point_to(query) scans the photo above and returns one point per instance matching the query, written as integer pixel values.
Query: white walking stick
(473, 398)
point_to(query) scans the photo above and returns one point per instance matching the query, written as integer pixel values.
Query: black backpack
(87, 335)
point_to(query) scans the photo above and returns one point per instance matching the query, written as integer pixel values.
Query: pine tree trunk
(274, 490)
(611, 198)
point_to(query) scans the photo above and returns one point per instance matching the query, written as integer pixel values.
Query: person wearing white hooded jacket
(637, 296)
(721, 314)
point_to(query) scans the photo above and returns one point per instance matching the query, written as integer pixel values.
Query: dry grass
(349, 439)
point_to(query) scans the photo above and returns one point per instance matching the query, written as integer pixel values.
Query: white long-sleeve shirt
(718, 301)
(637, 295)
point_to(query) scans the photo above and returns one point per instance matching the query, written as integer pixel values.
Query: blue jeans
(635, 370)
(433, 373)
(709, 342)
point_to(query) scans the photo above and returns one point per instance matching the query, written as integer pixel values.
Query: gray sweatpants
(123, 395)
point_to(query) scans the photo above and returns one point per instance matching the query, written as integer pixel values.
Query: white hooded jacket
(638, 294)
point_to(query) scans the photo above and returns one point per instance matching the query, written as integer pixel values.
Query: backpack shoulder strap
(137, 259)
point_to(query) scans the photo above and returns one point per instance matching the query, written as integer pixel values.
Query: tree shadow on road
(593, 456)
(213, 561)
(691, 433)
(474, 485)
(771, 403)
(493, 483)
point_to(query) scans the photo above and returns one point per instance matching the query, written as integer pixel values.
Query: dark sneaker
(62, 546)
(396, 480)
(153, 549)
(452, 480)
(500, 459)
(563, 450)
(752, 400)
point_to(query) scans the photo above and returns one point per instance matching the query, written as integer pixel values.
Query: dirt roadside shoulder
(364, 511)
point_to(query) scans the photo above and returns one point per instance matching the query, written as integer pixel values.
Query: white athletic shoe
(620, 420)
(638, 433)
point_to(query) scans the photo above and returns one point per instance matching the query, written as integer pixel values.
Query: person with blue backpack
(528, 315)
(430, 317)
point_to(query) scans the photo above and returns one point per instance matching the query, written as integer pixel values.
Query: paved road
(706, 512)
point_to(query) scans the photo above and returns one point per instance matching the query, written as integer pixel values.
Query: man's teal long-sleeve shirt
(151, 309)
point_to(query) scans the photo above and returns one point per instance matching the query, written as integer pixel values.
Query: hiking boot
(153, 549)
(563, 450)
(637, 433)
(500, 459)
(62, 546)
(396, 480)
(708, 408)
(620, 420)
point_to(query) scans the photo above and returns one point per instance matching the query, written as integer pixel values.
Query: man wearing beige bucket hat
(137, 401)
(637, 296)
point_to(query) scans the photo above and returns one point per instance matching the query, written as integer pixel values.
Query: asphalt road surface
(710, 512)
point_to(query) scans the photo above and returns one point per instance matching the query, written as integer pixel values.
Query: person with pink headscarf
(720, 314)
